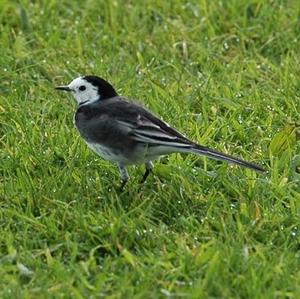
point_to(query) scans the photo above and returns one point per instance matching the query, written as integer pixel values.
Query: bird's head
(88, 89)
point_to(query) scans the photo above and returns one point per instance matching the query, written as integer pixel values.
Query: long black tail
(202, 150)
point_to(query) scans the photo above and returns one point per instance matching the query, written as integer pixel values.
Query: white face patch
(84, 91)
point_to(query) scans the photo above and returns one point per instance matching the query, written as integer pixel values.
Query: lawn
(226, 74)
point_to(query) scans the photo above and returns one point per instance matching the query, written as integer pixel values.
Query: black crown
(105, 89)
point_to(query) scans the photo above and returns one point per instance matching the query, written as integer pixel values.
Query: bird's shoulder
(138, 117)
(126, 112)
(117, 107)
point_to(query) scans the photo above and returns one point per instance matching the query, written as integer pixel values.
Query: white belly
(107, 154)
(103, 151)
(140, 156)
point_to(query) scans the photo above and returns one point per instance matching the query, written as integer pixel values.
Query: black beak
(65, 88)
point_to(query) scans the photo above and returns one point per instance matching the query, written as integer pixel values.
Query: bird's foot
(122, 185)
(146, 174)
(149, 167)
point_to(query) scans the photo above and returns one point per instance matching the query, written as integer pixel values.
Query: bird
(123, 131)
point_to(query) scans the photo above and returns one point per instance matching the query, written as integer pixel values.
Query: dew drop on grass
(232, 206)
(238, 95)
(226, 46)
(240, 120)
(294, 231)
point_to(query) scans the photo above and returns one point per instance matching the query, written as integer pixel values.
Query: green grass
(225, 73)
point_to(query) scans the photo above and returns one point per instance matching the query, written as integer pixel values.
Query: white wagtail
(124, 132)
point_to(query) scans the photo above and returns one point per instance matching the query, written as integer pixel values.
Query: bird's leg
(149, 167)
(124, 176)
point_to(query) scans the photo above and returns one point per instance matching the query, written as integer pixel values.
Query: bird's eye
(82, 88)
